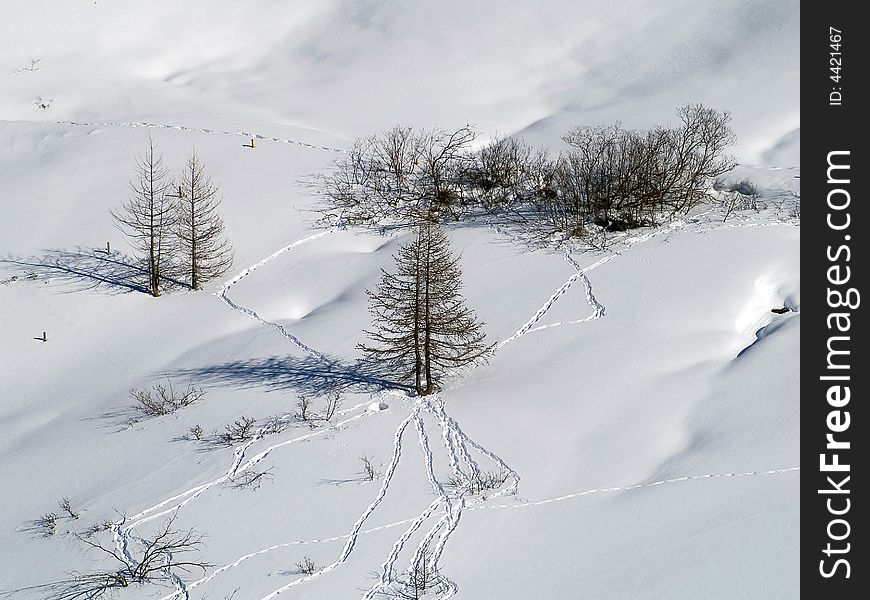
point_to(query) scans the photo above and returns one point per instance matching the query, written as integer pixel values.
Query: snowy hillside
(640, 411)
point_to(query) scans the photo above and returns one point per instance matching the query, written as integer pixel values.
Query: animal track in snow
(244, 134)
(224, 293)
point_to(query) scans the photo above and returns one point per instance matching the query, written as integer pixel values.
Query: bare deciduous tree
(421, 324)
(401, 176)
(149, 216)
(203, 251)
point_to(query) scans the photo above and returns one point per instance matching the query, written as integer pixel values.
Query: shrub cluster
(608, 176)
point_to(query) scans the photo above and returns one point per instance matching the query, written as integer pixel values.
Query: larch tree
(148, 217)
(421, 325)
(203, 251)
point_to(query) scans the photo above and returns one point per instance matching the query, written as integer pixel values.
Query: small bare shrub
(104, 525)
(275, 424)
(33, 66)
(251, 479)
(46, 524)
(420, 580)
(739, 195)
(153, 562)
(164, 399)
(304, 409)
(66, 507)
(480, 482)
(241, 430)
(43, 102)
(195, 432)
(333, 404)
(306, 566)
(369, 473)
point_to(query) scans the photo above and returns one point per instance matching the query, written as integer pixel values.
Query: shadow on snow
(83, 269)
(305, 375)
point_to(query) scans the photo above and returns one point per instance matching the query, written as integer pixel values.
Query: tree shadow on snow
(305, 375)
(82, 269)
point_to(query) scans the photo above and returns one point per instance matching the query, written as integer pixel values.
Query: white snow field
(642, 404)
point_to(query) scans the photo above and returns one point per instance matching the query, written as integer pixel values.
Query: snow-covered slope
(642, 403)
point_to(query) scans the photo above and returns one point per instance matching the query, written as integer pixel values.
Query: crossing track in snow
(483, 506)
(445, 510)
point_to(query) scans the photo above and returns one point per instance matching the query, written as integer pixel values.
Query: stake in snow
(149, 217)
(422, 327)
(204, 252)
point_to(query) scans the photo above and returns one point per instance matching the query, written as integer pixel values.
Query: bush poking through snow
(241, 430)
(274, 424)
(46, 525)
(740, 195)
(306, 566)
(43, 102)
(251, 479)
(195, 432)
(419, 581)
(104, 525)
(333, 404)
(151, 562)
(164, 399)
(369, 473)
(66, 507)
(480, 482)
(305, 409)
(304, 412)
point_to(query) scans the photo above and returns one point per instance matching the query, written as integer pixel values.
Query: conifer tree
(421, 326)
(203, 250)
(148, 217)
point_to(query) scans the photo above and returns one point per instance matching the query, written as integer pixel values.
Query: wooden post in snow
(44, 337)
(251, 145)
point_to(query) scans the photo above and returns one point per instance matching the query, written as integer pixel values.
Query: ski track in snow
(244, 134)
